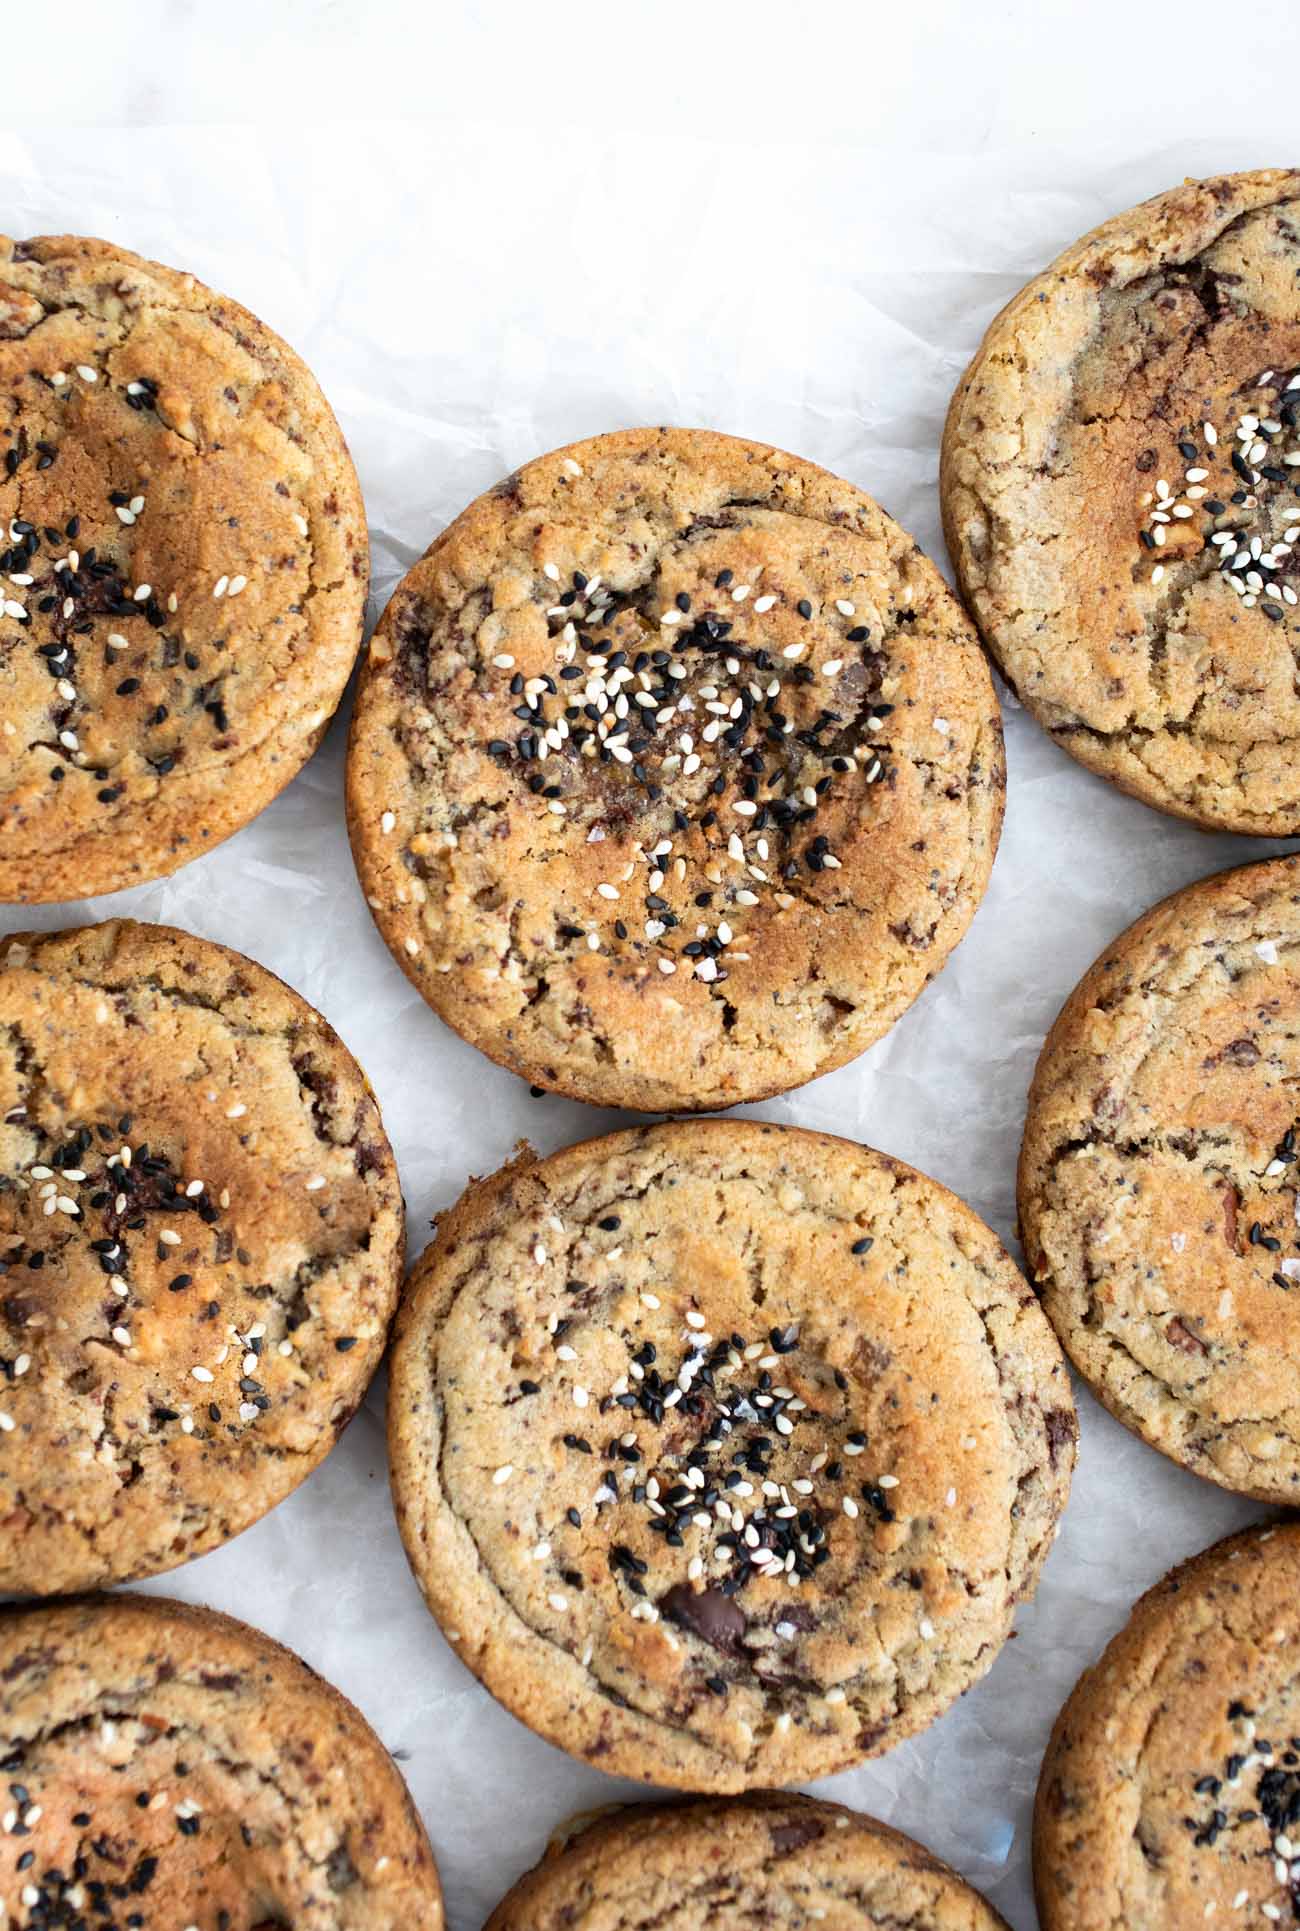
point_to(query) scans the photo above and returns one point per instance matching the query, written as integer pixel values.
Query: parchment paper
(466, 306)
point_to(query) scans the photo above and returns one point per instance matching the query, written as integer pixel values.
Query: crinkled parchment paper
(465, 312)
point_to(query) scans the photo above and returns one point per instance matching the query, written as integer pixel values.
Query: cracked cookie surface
(1121, 496)
(183, 567)
(732, 1865)
(675, 771)
(167, 1767)
(1170, 1792)
(721, 1451)
(201, 1242)
(1159, 1178)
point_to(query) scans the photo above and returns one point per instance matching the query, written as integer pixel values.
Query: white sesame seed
(7, 1425)
(503, 1474)
(387, 821)
(850, 1506)
(236, 585)
(201, 1374)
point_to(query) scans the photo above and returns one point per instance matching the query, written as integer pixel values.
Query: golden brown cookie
(722, 1452)
(168, 1768)
(185, 575)
(675, 771)
(1121, 499)
(1159, 1178)
(201, 1240)
(734, 1864)
(1170, 1792)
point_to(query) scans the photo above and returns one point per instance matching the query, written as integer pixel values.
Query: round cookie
(185, 576)
(675, 771)
(201, 1243)
(721, 1451)
(1171, 1787)
(1121, 499)
(1159, 1184)
(167, 1767)
(734, 1864)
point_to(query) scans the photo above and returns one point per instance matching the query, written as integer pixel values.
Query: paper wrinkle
(465, 311)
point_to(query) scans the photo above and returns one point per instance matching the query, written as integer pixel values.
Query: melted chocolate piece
(706, 1613)
(794, 1835)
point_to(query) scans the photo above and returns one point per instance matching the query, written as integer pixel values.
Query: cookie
(1159, 1184)
(675, 772)
(1121, 499)
(167, 1767)
(732, 1864)
(1170, 1791)
(182, 593)
(201, 1238)
(722, 1451)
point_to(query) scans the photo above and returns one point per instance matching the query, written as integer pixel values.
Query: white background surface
(788, 222)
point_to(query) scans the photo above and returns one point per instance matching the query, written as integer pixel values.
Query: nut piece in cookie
(168, 1766)
(735, 1863)
(1171, 1787)
(675, 773)
(721, 1451)
(201, 1240)
(183, 567)
(1121, 497)
(1160, 1178)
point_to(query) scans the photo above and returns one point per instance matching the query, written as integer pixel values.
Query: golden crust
(1158, 1186)
(487, 897)
(184, 1336)
(190, 1760)
(1190, 1712)
(165, 439)
(877, 1304)
(1175, 685)
(716, 1866)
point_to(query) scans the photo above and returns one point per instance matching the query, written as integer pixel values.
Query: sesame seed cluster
(734, 1419)
(200, 1243)
(732, 1865)
(167, 1766)
(1170, 1792)
(1158, 1176)
(183, 568)
(1121, 490)
(675, 771)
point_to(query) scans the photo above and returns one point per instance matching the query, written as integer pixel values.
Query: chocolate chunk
(1061, 1429)
(794, 1835)
(1181, 1336)
(706, 1613)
